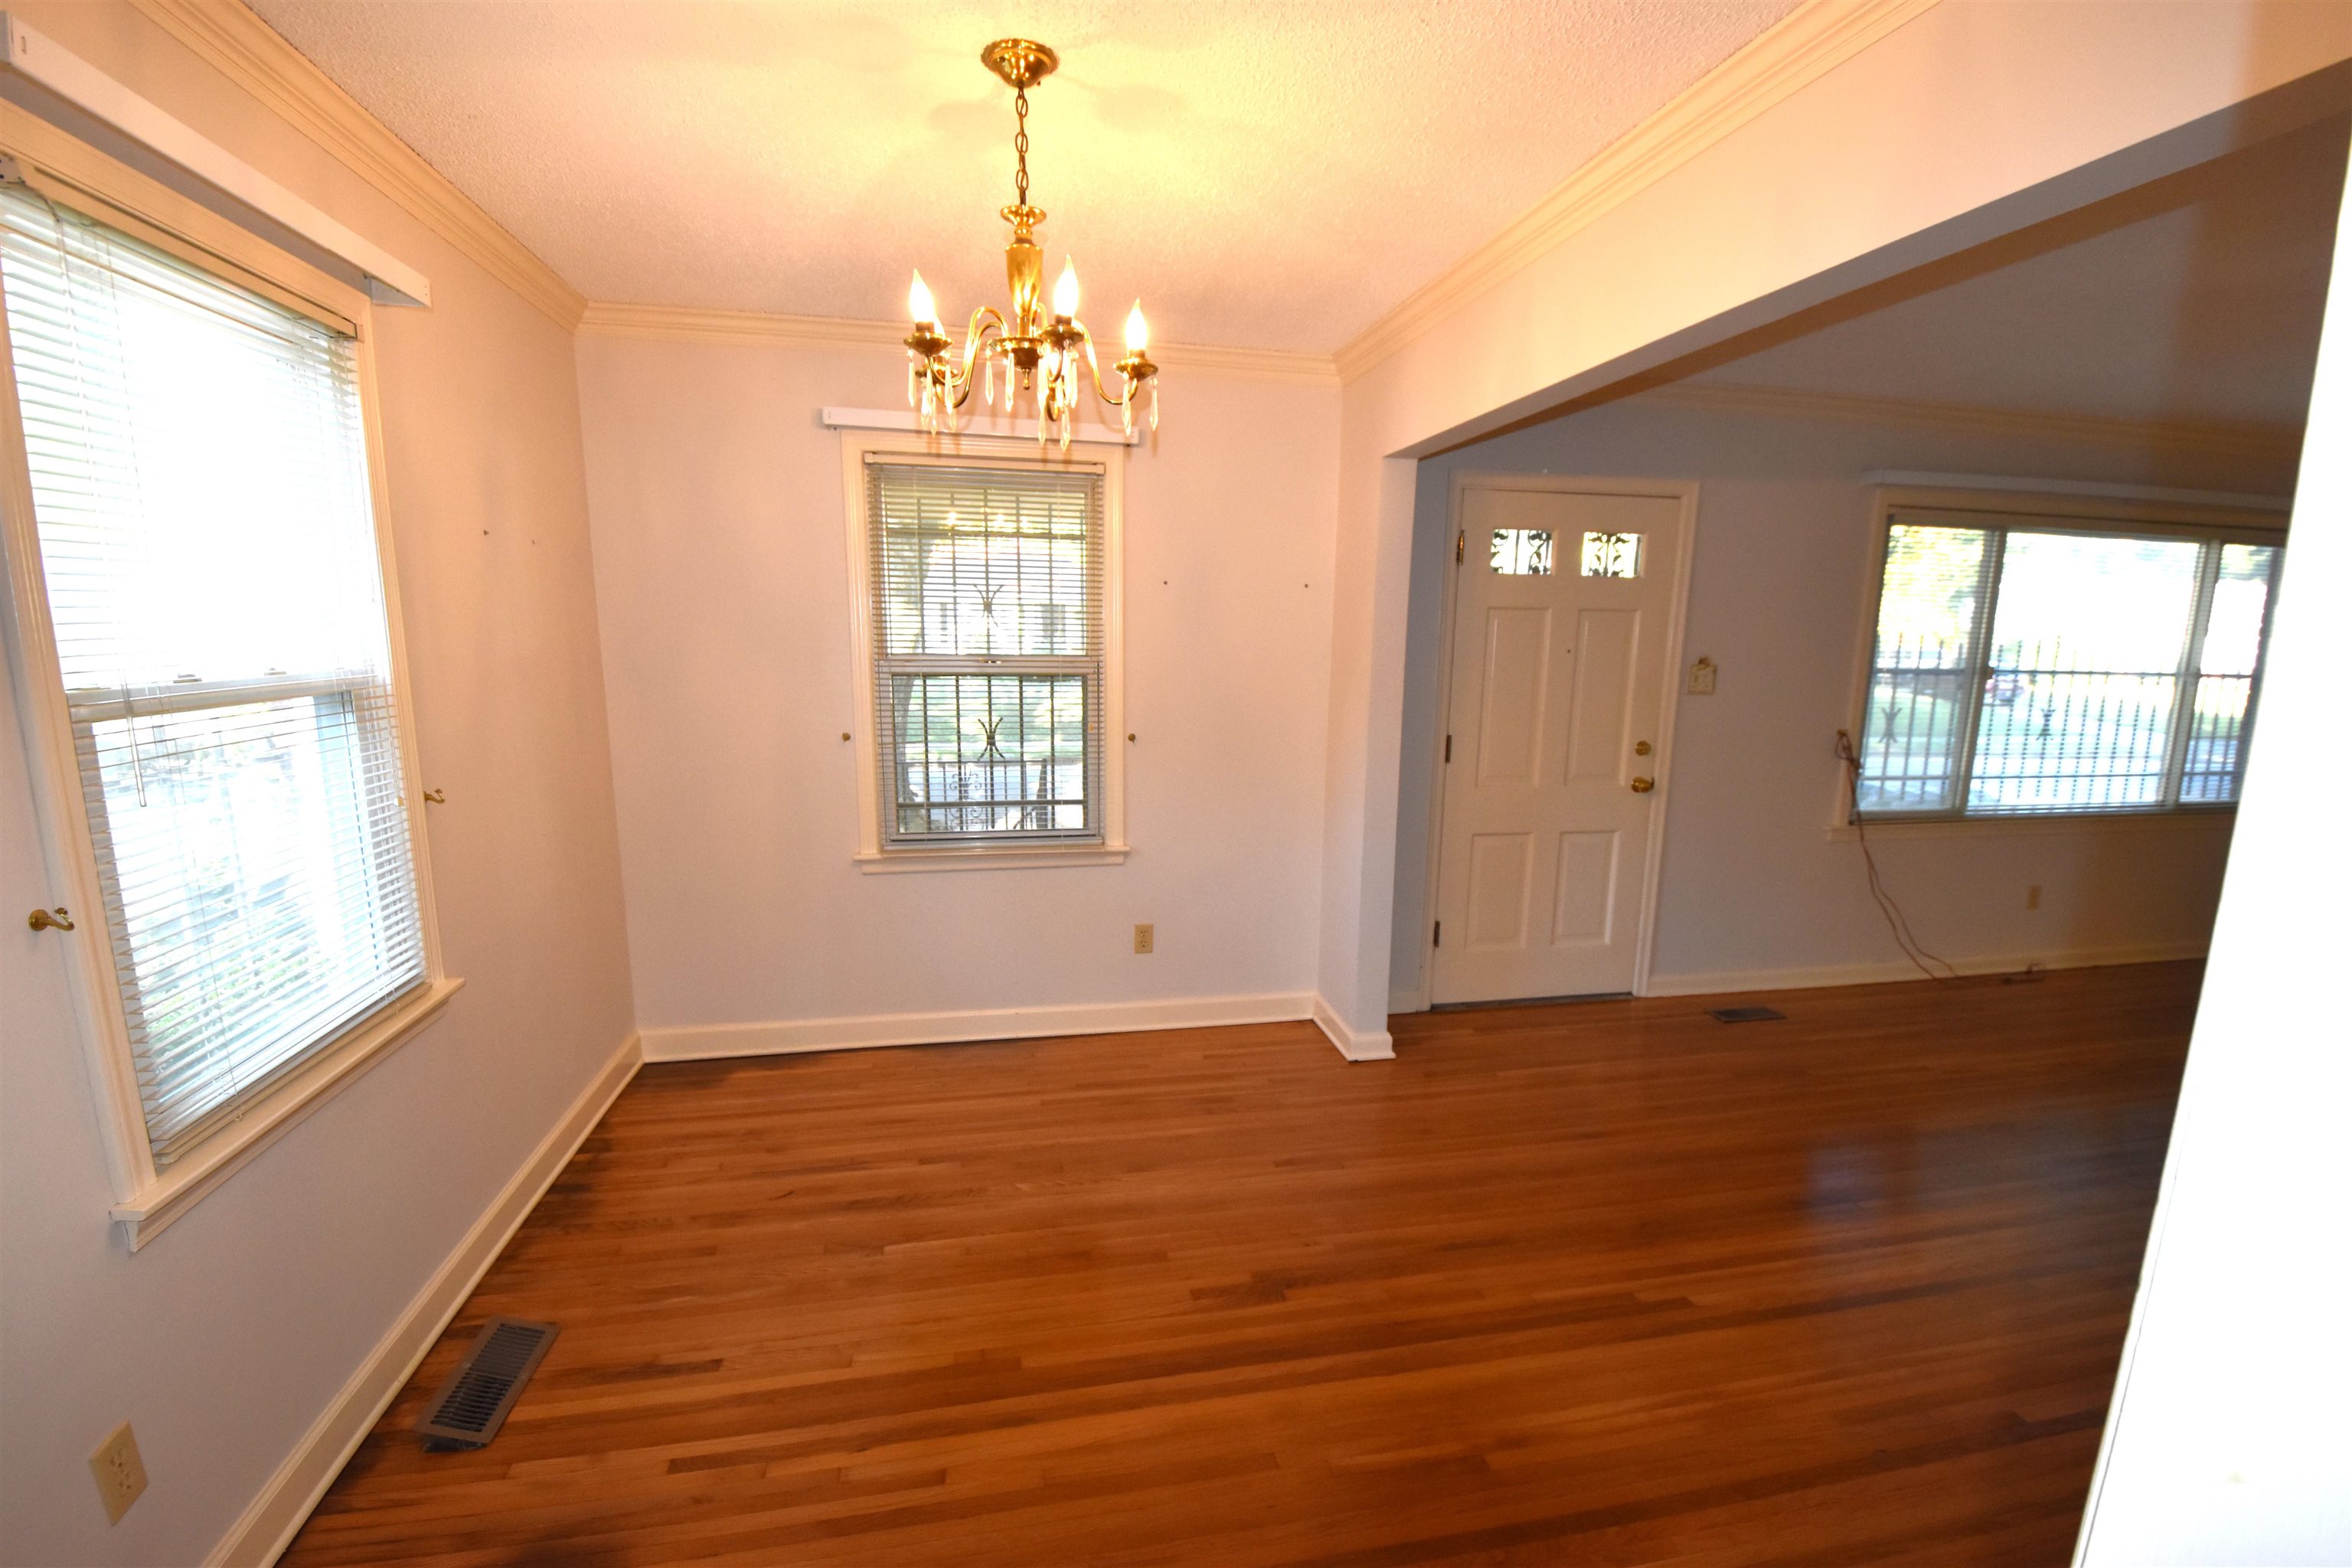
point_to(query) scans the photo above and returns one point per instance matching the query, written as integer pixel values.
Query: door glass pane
(1613, 555)
(1521, 552)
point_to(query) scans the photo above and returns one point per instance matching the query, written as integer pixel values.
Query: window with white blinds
(207, 546)
(2034, 666)
(987, 637)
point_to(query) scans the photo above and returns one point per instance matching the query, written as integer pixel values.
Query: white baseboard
(268, 1524)
(1368, 1046)
(793, 1036)
(1715, 981)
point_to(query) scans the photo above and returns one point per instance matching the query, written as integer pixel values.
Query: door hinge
(1461, 537)
(1436, 929)
(1449, 748)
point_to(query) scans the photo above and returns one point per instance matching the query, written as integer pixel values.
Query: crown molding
(228, 35)
(1802, 47)
(1263, 364)
(605, 320)
(757, 327)
(2213, 437)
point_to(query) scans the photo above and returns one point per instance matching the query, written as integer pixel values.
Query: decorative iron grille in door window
(988, 638)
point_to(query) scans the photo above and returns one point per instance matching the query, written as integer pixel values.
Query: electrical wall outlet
(121, 1476)
(1143, 938)
(2033, 897)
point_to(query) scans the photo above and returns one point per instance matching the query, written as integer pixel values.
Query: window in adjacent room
(210, 587)
(988, 633)
(2030, 666)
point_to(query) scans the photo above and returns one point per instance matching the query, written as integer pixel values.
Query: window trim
(147, 1201)
(872, 855)
(2051, 511)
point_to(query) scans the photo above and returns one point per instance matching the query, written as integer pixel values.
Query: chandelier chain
(1021, 145)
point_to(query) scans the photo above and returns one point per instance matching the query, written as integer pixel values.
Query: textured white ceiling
(1273, 174)
(2196, 298)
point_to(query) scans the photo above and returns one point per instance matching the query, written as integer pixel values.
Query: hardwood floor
(1606, 1283)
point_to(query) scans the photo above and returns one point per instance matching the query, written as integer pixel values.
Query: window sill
(2036, 827)
(173, 1192)
(894, 861)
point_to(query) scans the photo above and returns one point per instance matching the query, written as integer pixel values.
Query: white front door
(1561, 613)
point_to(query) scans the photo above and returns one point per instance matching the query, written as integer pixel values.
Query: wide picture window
(987, 640)
(2028, 667)
(208, 561)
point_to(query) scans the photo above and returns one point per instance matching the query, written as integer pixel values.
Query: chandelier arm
(954, 381)
(1129, 385)
(975, 336)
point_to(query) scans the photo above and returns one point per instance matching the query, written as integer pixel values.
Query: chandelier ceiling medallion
(1047, 359)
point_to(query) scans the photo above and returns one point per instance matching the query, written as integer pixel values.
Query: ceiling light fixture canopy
(1042, 352)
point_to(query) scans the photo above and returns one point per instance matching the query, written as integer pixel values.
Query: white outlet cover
(121, 1475)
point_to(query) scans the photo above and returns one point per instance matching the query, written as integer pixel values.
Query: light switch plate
(1702, 678)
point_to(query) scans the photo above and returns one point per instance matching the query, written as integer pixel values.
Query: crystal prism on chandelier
(1043, 360)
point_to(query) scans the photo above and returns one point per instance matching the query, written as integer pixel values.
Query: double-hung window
(199, 574)
(2028, 664)
(987, 641)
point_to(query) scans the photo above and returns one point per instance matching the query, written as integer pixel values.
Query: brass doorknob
(49, 919)
(1643, 786)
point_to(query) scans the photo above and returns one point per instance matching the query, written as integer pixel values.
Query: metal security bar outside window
(987, 645)
(2038, 666)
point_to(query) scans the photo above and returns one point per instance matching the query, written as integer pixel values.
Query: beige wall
(722, 562)
(224, 1337)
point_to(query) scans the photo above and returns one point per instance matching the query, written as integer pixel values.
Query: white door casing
(1557, 706)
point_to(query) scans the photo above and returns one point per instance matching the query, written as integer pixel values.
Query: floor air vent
(1745, 1014)
(473, 1404)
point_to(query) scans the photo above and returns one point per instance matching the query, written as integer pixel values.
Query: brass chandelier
(1044, 360)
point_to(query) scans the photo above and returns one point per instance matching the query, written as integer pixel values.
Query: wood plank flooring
(1608, 1283)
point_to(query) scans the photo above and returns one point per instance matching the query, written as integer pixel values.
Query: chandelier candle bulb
(1065, 290)
(1139, 331)
(919, 303)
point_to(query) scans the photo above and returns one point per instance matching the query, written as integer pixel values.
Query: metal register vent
(1745, 1014)
(473, 1404)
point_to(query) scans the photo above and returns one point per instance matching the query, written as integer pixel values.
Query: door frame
(1686, 494)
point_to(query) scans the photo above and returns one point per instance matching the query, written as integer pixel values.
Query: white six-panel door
(1557, 695)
